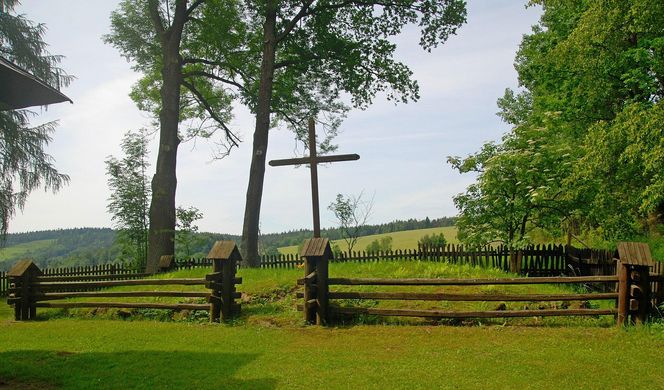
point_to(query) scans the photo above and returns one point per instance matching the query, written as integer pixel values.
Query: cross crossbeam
(313, 160)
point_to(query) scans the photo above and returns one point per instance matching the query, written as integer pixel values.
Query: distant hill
(92, 246)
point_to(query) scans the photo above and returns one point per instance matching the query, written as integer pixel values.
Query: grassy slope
(269, 348)
(24, 248)
(400, 240)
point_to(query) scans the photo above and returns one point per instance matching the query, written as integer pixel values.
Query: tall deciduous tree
(24, 166)
(130, 194)
(593, 81)
(182, 48)
(313, 51)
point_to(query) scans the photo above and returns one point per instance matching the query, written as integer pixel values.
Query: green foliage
(585, 151)
(210, 37)
(128, 203)
(186, 238)
(433, 241)
(24, 166)
(383, 244)
(352, 212)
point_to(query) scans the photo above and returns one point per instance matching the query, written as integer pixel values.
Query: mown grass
(400, 240)
(269, 347)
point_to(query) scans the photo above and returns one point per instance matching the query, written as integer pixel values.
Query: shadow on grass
(129, 369)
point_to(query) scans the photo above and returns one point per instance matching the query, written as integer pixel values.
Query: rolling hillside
(400, 240)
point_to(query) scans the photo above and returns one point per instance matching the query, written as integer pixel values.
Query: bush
(384, 245)
(435, 240)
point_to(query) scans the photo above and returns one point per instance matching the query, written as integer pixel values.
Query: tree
(352, 212)
(599, 68)
(432, 241)
(130, 192)
(182, 49)
(24, 166)
(311, 52)
(186, 239)
(383, 244)
(584, 152)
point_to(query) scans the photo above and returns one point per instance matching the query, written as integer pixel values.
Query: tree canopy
(587, 120)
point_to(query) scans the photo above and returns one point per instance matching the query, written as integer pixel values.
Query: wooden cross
(313, 160)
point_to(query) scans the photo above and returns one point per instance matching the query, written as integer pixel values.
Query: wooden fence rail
(30, 288)
(633, 296)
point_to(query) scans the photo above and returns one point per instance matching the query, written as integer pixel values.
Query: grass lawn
(270, 348)
(400, 240)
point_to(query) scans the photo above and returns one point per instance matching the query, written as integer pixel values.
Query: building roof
(20, 89)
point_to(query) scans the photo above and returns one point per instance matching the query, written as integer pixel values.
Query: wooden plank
(124, 305)
(109, 294)
(115, 283)
(88, 277)
(471, 297)
(469, 282)
(473, 314)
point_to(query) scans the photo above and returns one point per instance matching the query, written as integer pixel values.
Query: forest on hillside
(92, 246)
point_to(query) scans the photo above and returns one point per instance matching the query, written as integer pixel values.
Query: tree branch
(293, 22)
(215, 77)
(230, 136)
(193, 7)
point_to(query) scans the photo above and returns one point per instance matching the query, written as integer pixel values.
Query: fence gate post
(224, 255)
(20, 278)
(317, 254)
(634, 282)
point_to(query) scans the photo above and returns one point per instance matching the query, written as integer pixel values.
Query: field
(23, 249)
(269, 347)
(400, 240)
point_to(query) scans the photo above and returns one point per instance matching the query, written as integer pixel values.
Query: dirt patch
(16, 384)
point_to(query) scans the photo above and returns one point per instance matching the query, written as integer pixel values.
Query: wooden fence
(536, 260)
(30, 289)
(633, 293)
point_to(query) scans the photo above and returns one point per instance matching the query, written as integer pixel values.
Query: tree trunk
(161, 235)
(252, 209)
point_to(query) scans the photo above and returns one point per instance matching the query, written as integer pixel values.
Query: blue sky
(403, 148)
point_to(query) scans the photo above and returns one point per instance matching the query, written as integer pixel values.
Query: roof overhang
(20, 89)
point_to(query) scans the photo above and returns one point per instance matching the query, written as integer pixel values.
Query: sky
(403, 147)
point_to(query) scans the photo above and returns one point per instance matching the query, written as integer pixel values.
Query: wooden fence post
(317, 254)
(634, 282)
(623, 293)
(225, 257)
(20, 277)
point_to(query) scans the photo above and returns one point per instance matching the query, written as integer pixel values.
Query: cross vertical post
(315, 203)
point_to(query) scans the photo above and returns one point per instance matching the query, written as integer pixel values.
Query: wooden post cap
(316, 247)
(24, 267)
(225, 250)
(166, 262)
(635, 253)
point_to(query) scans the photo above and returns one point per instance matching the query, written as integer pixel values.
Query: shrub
(435, 240)
(384, 245)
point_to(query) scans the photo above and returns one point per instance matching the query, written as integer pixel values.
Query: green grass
(269, 347)
(400, 240)
(18, 250)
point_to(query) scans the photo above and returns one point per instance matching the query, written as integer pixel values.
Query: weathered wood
(116, 283)
(313, 160)
(469, 282)
(623, 294)
(124, 305)
(472, 314)
(89, 277)
(471, 297)
(113, 294)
